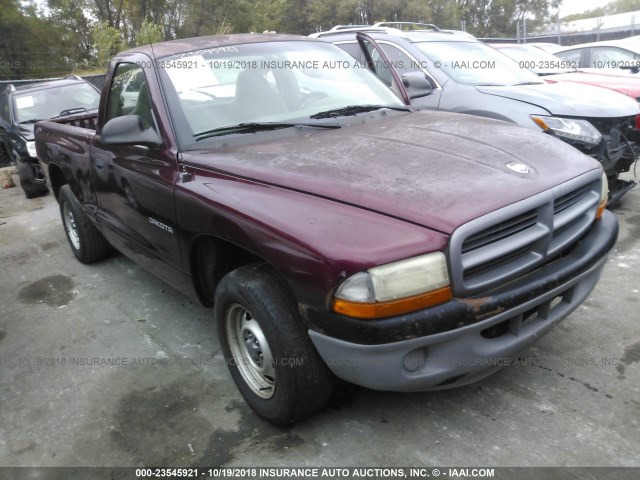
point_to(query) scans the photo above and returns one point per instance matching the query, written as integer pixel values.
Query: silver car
(467, 76)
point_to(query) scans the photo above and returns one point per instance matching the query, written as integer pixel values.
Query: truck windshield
(55, 101)
(283, 82)
(473, 63)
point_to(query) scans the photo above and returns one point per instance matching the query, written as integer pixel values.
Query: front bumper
(463, 340)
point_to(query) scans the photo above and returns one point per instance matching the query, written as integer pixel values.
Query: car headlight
(570, 128)
(395, 288)
(31, 149)
(604, 195)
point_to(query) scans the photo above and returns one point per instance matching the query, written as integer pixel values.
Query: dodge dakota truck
(334, 231)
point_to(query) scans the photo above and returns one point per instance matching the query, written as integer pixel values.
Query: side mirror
(417, 84)
(129, 130)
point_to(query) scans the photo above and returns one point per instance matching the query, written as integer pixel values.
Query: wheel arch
(211, 258)
(57, 179)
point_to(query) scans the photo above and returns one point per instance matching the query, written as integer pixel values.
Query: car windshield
(538, 61)
(473, 63)
(54, 101)
(275, 82)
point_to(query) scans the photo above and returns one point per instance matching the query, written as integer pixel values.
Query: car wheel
(87, 243)
(268, 352)
(28, 182)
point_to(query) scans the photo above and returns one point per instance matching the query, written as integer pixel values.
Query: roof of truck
(184, 45)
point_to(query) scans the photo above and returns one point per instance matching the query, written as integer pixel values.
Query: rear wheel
(269, 354)
(86, 242)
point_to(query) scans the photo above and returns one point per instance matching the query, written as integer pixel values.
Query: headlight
(604, 195)
(569, 128)
(31, 149)
(395, 288)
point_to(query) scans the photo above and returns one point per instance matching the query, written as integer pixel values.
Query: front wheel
(5, 158)
(86, 242)
(269, 354)
(32, 188)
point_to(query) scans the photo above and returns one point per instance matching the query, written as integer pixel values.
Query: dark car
(21, 107)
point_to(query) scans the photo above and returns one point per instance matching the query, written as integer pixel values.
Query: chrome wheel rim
(70, 224)
(250, 351)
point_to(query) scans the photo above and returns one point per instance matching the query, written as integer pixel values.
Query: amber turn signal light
(369, 311)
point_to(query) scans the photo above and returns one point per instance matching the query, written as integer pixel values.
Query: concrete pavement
(89, 376)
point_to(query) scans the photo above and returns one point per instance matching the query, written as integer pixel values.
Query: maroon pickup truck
(333, 230)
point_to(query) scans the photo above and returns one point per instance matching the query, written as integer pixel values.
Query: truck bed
(82, 120)
(65, 143)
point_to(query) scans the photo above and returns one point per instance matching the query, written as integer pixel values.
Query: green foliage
(74, 27)
(494, 18)
(596, 12)
(149, 33)
(107, 41)
(85, 34)
(26, 46)
(622, 6)
(613, 8)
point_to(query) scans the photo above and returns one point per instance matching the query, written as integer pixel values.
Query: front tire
(86, 242)
(269, 354)
(28, 181)
(5, 158)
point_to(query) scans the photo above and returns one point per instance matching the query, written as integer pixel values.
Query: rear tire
(268, 352)
(85, 240)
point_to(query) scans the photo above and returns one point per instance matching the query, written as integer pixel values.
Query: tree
(149, 33)
(487, 18)
(26, 49)
(75, 28)
(622, 6)
(108, 41)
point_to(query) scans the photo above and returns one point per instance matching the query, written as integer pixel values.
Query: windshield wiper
(71, 111)
(252, 127)
(33, 120)
(525, 83)
(355, 109)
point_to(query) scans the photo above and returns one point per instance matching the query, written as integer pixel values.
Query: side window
(352, 49)
(572, 56)
(129, 95)
(607, 57)
(381, 66)
(383, 70)
(402, 62)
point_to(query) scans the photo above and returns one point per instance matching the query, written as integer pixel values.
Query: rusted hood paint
(435, 169)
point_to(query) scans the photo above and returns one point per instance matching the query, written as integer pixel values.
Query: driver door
(135, 183)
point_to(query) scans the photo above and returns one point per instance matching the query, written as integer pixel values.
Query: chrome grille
(517, 239)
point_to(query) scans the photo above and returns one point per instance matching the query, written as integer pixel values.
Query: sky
(570, 7)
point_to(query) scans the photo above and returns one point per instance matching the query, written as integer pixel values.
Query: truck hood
(630, 86)
(435, 169)
(569, 100)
